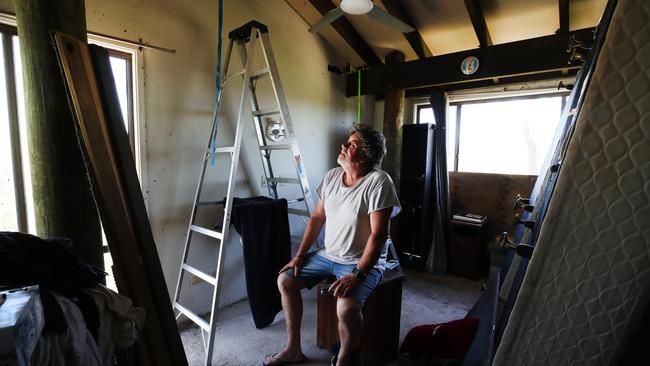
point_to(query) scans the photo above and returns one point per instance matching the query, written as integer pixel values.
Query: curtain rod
(137, 43)
(11, 19)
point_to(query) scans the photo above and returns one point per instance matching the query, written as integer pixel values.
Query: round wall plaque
(469, 65)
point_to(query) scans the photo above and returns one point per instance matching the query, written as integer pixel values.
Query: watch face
(469, 65)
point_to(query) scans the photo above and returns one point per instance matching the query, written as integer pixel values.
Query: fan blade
(328, 18)
(383, 17)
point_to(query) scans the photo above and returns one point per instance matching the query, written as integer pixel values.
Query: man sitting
(356, 201)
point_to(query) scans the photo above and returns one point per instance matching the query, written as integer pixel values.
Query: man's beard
(342, 161)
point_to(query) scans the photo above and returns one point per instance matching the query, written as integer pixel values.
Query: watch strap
(359, 274)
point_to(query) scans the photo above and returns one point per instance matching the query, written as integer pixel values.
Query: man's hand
(295, 264)
(344, 285)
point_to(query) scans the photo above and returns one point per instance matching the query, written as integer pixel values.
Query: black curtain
(437, 259)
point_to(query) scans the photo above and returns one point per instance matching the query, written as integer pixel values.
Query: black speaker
(416, 195)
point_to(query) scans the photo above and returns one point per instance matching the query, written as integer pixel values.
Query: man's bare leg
(292, 306)
(350, 325)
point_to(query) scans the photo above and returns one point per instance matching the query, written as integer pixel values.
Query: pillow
(440, 341)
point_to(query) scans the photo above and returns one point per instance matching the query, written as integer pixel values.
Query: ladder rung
(193, 317)
(210, 203)
(220, 150)
(254, 75)
(208, 232)
(266, 112)
(228, 77)
(297, 212)
(276, 147)
(283, 180)
(260, 73)
(296, 200)
(200, 274)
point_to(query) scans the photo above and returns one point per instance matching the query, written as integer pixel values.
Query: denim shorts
(316, 268)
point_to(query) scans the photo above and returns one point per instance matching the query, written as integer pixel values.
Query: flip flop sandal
(275, 360)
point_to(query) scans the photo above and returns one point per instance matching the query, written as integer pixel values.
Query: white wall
(179, 100)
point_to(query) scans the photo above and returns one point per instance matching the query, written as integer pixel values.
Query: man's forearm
(314, 225)
(372, 252)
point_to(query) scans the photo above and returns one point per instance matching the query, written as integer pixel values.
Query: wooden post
(63, 202)
(393, 117)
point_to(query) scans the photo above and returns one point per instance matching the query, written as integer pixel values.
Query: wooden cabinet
(468, 250)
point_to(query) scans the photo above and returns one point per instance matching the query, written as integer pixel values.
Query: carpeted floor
(426, 299)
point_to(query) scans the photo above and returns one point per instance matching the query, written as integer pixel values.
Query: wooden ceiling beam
(528, 57)
(397, 9)
(478, 22)
(347, 31)
(563, 6)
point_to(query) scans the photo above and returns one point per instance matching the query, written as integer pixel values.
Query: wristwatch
(358, 274)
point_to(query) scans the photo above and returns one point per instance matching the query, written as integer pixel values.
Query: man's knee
(347, 310)
(287, 283)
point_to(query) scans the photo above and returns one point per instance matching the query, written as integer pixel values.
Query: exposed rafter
(347, 31)
(542, 55)
(396, 9)
(564, 16)
(478, 22)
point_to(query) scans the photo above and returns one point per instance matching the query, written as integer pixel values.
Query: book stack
(471, 219)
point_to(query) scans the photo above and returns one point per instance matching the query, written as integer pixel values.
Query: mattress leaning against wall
(588, 282)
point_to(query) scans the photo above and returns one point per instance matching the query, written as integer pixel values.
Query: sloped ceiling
(446, 25)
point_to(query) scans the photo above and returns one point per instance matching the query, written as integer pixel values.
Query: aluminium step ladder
(245, 39)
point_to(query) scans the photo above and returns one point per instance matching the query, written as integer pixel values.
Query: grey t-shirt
(347, 212)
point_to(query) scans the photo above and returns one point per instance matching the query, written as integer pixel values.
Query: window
(16, 203)
(503, 136)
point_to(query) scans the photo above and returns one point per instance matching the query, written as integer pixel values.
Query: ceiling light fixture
(356, 7)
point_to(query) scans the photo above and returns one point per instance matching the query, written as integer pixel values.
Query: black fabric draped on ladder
(263, 225)
(437, 258)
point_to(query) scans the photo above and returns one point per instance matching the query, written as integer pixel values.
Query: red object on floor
(440, 341)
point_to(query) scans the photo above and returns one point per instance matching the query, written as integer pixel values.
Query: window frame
(132, 53)
(485, 98)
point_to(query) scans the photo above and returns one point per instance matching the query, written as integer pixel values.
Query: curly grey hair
(373, 147)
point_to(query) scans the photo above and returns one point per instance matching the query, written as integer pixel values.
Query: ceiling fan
(361, 7)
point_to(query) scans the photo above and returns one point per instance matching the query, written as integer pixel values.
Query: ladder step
(192, 316)
(283, 180)
(206, 231)
(258, 74)
(221, 150)
(266, 112)
(276, 147)
(296, 200)
(200, 274)
(297, 212)
(210, 203)
(261, 73)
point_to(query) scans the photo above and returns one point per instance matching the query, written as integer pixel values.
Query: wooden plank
(543, 76)
(492, 195)
(397, 9)
(347, 31)
(478, 22)
(563, 6)
(528, 57)
(115, 185)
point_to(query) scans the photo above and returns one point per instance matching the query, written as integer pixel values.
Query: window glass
(425, 114)
(119, 67)
(507, 137)
(8, 216)
(22, 127)
(451, 137)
